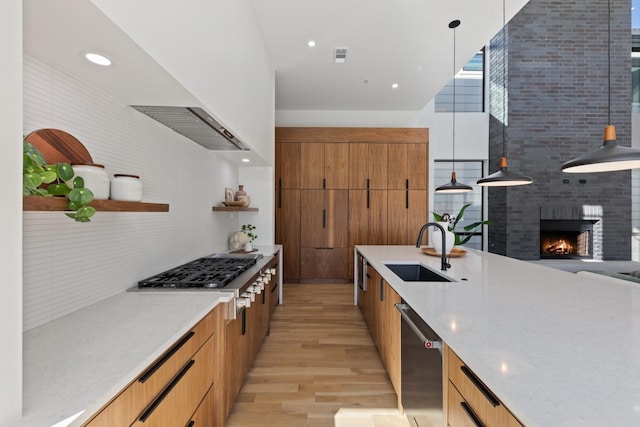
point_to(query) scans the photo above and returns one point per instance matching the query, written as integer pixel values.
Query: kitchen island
(558, 349)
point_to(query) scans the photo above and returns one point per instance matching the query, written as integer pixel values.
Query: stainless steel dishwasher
(421, 370)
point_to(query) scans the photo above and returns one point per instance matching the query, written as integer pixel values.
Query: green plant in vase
(41, 179)
(453, 222)
(248, 230)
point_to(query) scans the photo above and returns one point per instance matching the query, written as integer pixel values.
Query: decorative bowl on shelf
(233, 203)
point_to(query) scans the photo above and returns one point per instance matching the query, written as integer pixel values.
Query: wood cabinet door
(417, 166)
(288, 232)
(377, 166)
(377, 233)
(324, 263)
(358, 218)
(312, 165)
(358, 171)
(337, 218)
(287, 165)
(397, 217)
(407, 166)
(407, 213)
(336, 166)
(417, 215)
(391, 335)
(313, 219)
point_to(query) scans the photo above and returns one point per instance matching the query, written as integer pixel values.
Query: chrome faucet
(444, 265)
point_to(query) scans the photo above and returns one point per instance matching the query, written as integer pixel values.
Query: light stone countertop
(558, 348)
(77, 363)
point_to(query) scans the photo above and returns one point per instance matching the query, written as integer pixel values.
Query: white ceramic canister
(436, 238)
(126, 188)
(95, 179)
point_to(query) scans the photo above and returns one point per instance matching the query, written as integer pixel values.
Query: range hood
(195, 124)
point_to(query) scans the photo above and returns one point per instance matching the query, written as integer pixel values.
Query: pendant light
(454, 186)
(610, 156)
(504, 177)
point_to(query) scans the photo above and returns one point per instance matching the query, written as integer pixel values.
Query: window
(469, 88)
(467, 172)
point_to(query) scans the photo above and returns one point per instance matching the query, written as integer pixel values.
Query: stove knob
(247, 299)
(241, 303)
(250, 294)
(255, 288)
(268, 277)
(272, 271)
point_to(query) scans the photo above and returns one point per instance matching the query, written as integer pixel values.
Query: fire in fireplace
(566, 239)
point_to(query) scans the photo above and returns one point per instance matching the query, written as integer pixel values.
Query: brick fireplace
(556, 81)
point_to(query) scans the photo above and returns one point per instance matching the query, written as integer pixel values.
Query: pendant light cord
(454, 102)
(504, 82)
(609, 60)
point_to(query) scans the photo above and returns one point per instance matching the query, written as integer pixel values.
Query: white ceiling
(390, 41)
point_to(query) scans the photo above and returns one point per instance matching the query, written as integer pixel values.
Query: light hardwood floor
(318, 367)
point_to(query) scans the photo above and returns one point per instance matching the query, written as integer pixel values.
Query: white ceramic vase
(436, 238)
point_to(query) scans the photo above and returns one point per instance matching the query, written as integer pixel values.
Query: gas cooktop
(214, 272)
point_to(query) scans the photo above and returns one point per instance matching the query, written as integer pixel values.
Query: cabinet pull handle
(191, 423)
(406, 198)
(153, 368)
(244, 321)
(280, 193)
(406, 184)
(368, 183)
(471, 414)
(381, 290)
(368, 199)
(147, 413)
(324, 218)
(483, 389)
(324, 183)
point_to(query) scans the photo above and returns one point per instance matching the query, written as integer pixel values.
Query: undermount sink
(416, 273)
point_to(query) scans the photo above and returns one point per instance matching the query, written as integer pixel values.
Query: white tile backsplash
(69, 265)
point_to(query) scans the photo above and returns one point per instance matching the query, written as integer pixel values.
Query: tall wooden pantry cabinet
(340, 187)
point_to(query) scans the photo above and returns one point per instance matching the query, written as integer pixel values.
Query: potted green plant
(248, 229)
(41, 179)
(452, 221)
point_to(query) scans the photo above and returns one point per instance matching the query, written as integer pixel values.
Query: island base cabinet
(470, 402)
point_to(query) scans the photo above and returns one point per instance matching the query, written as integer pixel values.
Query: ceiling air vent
(340, 55)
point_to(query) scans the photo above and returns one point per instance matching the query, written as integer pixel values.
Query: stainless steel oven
(421, 370)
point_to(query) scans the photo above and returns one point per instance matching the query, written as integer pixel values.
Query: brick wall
(557, 109)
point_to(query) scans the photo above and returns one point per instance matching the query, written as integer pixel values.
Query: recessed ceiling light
(311, 43)
(97, 58)
(245, 160)
(395, 85)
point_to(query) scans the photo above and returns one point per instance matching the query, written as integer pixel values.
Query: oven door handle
(428, 344)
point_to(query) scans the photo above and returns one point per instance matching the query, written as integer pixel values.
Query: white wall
(11, 224)
(215, 50)
(69, 265)
(259, 184)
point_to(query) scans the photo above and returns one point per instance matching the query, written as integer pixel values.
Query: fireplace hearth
(566, 239)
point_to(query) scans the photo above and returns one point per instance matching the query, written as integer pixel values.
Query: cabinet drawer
(478, 397)
(132, 400)
(460, 415)
(324, 263)
(178, 401)
(204, 415)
